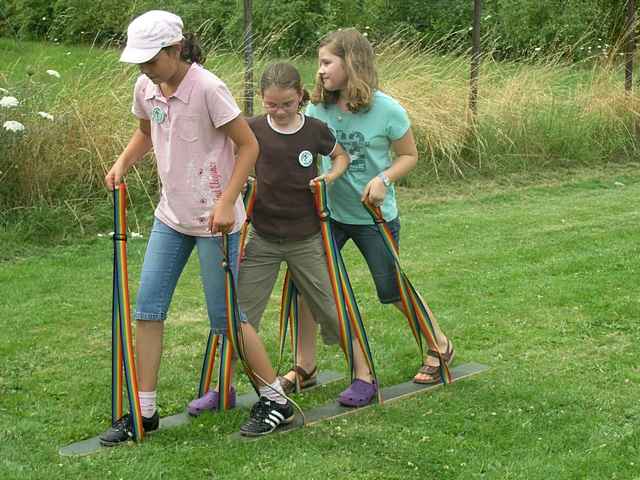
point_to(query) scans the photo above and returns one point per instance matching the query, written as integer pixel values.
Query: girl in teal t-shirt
(368, 124)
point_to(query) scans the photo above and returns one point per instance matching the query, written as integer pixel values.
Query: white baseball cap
(149, 33)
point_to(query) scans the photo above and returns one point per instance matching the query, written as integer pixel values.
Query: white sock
(273, 392)
(147, 403)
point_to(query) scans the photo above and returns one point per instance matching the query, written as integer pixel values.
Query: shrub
(513, 27)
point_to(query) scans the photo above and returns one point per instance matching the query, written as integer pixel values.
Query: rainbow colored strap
(249, 199)
(289, 318)
(289, 307)
(122, 355)
(224, 374)
(416, 310)
(350, 319)
(227, 343)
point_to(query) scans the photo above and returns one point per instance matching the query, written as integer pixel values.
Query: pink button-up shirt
(195, 159)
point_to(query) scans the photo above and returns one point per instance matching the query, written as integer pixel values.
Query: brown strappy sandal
(433, 371)
(305, 379)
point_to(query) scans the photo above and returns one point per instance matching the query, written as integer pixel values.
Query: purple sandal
(209, 401)
(359, 394)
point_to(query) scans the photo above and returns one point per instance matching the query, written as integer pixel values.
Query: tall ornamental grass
(534, 115)
(537, 114)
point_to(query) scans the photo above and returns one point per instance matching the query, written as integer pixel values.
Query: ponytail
(191, 49)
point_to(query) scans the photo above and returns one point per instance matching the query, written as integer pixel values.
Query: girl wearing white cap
(189, 118)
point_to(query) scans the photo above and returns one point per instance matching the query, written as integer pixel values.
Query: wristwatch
(384, 179)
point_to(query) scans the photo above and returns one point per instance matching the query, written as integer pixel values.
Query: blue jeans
(370, 243)
(167, 254)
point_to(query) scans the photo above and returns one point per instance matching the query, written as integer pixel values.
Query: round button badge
(158, 115)
(305, 158)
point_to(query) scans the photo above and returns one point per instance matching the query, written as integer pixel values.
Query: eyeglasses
(287, 106)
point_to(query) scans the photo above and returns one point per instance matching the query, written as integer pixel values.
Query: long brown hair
(359, 63)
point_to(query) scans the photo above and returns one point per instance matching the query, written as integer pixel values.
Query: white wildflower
(46, 115)
(13, 126)
(136, 235)
(53, 73)
(9, 102)
(537, 49)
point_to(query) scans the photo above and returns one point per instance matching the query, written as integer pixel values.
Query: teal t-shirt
(367, 137)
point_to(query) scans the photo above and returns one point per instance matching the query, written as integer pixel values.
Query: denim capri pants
(167, 254)
(370, 243)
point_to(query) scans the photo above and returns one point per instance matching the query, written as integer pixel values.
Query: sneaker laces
(261, 410)
(121, 423)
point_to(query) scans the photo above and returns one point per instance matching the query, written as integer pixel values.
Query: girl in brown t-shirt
(285, 229)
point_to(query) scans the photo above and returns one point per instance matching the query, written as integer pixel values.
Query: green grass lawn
(538, 282)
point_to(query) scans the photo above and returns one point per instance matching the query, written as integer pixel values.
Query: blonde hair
(359, 63)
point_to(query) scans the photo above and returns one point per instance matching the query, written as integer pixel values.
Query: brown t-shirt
(284, 207)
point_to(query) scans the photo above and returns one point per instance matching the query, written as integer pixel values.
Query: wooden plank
(390, 394)
(92, 445)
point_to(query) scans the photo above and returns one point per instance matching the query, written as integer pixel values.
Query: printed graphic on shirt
(215, 181)
(206, 183)
(305, 158)
(356, 145)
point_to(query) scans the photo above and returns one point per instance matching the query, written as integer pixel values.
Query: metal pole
(475, 58)
(629, 53)
(248, 57)
(630, 45)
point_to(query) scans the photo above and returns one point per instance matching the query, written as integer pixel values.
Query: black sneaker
(265, 417)
(122, 429)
